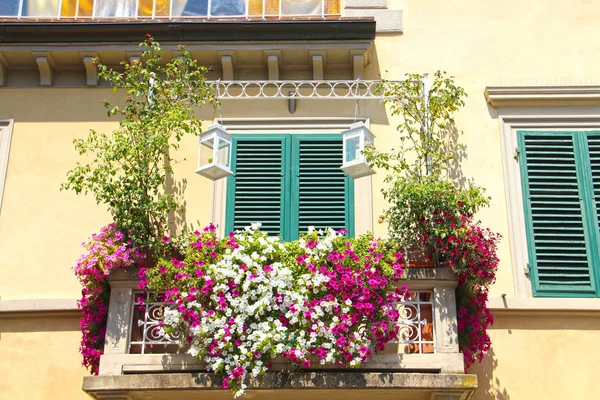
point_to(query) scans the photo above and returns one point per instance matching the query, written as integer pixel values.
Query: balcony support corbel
(46, 67)
(318, 64)
(273, 57)
(91, 71)
(359, 61)
(134, 56)
(227, 64)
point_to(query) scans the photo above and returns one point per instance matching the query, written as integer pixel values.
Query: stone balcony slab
(288, 385)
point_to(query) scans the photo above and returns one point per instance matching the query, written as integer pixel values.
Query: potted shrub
(419, 189)
(431, 207)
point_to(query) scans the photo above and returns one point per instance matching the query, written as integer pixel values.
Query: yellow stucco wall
(41, 227)
(40, 359)
(478, 42)
(535, 357)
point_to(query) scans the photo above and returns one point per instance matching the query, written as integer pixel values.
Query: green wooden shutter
(555, 208)
(288, 183)
(593, 142)
(592, 161)
(255, 192)
(323, 196)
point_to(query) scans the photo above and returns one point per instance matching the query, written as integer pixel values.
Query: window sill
(563, 307)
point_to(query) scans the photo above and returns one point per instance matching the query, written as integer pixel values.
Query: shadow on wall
(459, 150)
(177, 220)
(490, 386)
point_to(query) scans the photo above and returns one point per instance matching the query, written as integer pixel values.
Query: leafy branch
(129, 166)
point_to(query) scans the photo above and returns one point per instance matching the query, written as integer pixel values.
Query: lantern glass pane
(206, 151)
(223, 153)
(368, 141)
(352, 148)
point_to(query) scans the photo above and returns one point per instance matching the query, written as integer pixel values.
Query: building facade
(531, 125)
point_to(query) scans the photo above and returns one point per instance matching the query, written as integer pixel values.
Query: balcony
(170, 9)
(425, 363)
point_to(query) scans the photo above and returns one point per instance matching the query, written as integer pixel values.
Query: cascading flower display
(106, 251)
(247, 298)
(244, 299)
(470, 250)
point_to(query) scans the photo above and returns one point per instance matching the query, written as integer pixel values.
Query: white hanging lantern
(355, 140)
(214, 155)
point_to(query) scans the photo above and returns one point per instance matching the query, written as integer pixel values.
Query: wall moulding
(251, 61)
(543, 96)
(43, 308)
(544, 307)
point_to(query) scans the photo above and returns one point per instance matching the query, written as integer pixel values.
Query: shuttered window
(561, 183)
(288, 183)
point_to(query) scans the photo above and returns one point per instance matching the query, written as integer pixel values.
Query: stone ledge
(38, 307)
(529, 306)
(445, 363)
(543, 96)
(275, 385)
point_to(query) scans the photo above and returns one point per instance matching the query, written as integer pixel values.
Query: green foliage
(416, 173)
(412, 202)
(428, 211)
(126, 170)
(425, 125)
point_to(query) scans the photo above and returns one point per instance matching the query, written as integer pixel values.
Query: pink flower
(226, 382)
(165, 239)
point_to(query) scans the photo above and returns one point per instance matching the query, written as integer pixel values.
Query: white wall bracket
(318, 59)
(359, 60)
(91, 70)
(227, 64)
(272, 58)
(134, 56)
(46, 67)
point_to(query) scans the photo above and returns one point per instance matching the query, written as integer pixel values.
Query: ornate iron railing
(416, 334)
(241, 90)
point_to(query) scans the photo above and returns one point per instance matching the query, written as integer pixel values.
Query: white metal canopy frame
(326, 90)
(355, 140)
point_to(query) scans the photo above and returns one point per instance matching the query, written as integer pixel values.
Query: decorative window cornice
(543, 96)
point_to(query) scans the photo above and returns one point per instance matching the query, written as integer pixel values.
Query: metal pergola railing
(327, 90)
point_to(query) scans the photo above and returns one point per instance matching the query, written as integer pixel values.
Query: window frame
(589, 213)
(533, 108)
(290, 194)
(363, 192)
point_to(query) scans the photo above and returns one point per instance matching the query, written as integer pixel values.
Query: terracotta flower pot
(419, 257)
